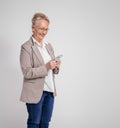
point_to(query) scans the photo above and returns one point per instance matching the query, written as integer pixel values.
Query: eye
(43, 29)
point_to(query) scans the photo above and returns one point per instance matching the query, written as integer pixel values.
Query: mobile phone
(58, 57)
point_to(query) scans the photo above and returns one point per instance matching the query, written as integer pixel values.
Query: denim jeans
(39, 115)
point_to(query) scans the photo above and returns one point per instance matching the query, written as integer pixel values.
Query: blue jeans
(39, 115)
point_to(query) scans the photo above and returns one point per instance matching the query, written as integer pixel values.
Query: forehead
(42, 22)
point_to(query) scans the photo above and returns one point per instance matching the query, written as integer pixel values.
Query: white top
(49, 84)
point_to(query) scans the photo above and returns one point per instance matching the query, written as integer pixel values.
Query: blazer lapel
(48, 47)
(36, 51)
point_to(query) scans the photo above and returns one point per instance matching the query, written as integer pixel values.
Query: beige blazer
(34, 71)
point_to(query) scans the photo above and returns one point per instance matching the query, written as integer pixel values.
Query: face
(40, 29)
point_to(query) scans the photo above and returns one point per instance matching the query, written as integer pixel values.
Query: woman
(38, 65)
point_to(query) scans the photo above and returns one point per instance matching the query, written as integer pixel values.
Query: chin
(41, 37)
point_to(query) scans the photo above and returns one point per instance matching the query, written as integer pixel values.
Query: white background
(87, 33)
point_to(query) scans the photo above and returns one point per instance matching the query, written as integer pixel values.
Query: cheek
(37, 32)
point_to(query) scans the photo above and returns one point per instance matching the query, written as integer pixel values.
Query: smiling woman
(38, 62)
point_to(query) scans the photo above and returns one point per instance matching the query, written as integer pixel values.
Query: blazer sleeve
(26, 65)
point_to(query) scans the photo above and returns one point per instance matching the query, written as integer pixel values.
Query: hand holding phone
(56, 70)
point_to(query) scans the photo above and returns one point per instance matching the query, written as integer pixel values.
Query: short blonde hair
(38, 16)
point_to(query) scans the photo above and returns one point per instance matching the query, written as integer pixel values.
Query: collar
(44, 42)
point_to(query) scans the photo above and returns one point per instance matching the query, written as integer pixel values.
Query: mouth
(42, 35)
